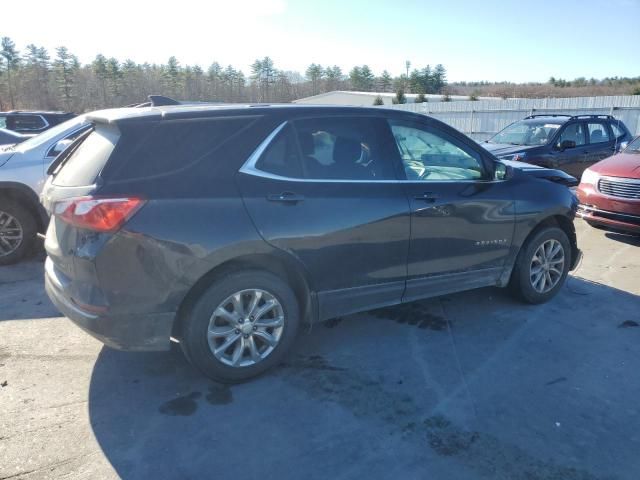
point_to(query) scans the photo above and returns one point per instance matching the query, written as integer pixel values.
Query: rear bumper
(149, 332)
(607, 219)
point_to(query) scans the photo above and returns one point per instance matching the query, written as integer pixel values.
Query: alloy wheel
(547, 266)
(11, 234)
(246, 327)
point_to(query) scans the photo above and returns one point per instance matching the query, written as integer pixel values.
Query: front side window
(431, 155)
(331, 148)
(598, 133)
(575, 133)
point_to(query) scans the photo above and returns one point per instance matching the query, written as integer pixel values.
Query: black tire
(520, 283)
(27, 224)
(193, 339)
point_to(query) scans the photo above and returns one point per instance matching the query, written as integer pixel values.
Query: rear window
(84, 165)
(171, 145)
(26, 122)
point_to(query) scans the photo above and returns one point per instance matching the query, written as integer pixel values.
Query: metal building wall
(482, 119)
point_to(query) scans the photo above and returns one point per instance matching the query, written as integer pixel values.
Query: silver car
(23, 170)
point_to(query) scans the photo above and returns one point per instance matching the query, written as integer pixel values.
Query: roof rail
(610, 117)
(548, 115)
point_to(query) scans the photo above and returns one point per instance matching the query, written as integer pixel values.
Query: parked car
(22, 175)
(568, 143)
(609, 193)
(226, 227)
(8, 137)
(32, 121)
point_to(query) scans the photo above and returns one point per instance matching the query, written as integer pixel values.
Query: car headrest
(346, 150)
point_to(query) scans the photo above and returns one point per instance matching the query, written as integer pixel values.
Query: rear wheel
(542, 266)
(17, 232)
(241, 326)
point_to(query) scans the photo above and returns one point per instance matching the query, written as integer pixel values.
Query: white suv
(23, 171)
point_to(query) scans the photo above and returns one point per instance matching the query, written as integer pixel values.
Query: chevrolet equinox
(226, 227)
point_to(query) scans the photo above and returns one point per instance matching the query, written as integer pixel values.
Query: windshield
(634, 146)
(51, 134)
(527, 133)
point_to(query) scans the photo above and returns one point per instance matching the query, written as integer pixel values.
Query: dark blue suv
(568, 143)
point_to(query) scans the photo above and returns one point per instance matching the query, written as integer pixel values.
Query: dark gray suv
(225, 228)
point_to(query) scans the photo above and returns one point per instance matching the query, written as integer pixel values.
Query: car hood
(6, 152)
(556, 176)
(506, 148)
(620, 165)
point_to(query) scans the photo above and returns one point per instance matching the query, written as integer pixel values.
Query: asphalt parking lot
(466, 386)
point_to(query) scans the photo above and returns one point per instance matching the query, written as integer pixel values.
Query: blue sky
(488, 40)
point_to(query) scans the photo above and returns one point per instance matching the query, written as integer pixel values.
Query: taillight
(98, 214)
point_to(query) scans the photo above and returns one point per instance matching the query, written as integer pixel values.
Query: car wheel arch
(26, 197)
(288, 269)
(560, 221)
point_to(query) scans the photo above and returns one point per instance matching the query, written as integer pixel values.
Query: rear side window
(83, 166)
(172, 145)
(281, 158)
(598, 133)
(618, 131)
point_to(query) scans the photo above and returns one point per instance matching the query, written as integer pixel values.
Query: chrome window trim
(249, 168)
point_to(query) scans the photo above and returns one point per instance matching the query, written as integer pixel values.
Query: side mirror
(59, 147)
(500, 171)
(565, 144)
(622, 146)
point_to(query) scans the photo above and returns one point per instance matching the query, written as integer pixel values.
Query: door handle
(427, 197)
(285, 197)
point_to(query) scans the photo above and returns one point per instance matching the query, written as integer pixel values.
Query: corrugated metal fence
(482, 119)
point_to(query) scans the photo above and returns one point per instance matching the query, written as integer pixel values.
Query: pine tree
(385, 81)
(314, 74)
(400, 96)
(66, 66)
(99, 67)
(378, 100)
(11, 62)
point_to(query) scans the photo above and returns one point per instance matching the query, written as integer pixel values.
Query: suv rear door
(324, 189)
(461, 219)
(601, 142)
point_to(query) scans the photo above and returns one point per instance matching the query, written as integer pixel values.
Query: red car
(609, 192)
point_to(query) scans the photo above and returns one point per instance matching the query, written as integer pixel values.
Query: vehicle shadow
(624, 238)
(21, 293)
(454, 387)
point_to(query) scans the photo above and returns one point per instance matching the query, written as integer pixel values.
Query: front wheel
(542, 266)
(241, 326)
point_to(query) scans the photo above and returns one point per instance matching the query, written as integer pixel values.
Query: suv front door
(325, 191)
(571, 160)
(461, 219)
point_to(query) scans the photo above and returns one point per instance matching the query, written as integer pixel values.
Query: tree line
(35, 78)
